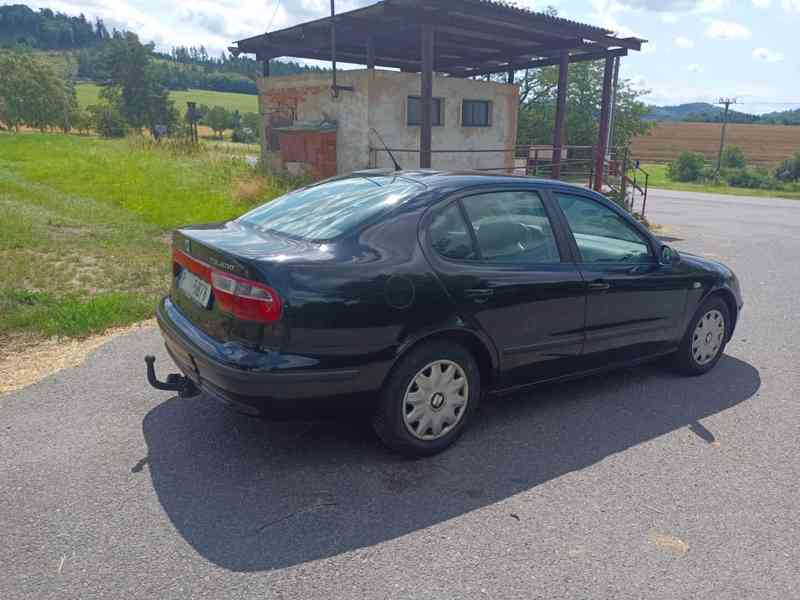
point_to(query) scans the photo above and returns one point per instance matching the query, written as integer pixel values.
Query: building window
(415, 112)
(476, 113)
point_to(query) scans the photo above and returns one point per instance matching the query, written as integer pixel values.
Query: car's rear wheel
(428, 399)
(705, 339)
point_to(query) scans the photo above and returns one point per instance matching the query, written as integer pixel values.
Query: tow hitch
(175, 382)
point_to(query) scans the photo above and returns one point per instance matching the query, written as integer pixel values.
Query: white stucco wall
(379, 100)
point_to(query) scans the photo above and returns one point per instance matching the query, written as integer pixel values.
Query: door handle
(481, 296)
(599, 286)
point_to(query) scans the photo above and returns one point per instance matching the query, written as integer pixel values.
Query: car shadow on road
(251, 495)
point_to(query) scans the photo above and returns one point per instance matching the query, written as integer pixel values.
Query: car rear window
(333, 208)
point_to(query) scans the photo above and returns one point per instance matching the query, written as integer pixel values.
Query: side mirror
(669, 256)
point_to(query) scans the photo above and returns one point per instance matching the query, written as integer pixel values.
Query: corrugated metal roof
(503, 20)
(512, 6)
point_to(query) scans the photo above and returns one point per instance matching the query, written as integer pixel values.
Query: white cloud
(639, 82)
(212, 23)
(762, 3)
(695, 68)
(675, 6)
(603, 14)
(791, 5)
(727, 30)
(683, 43)
(768, 55)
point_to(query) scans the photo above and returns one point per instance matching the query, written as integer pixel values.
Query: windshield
(328, 210)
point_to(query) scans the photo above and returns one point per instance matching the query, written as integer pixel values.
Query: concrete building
(438, 47)
(309, 130)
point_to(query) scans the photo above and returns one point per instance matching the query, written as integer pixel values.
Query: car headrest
(501, 238)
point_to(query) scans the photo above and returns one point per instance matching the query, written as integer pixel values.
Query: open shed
(453, 38)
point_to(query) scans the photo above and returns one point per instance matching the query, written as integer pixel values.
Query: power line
(771, 103)
(746, 102)
(274, 12)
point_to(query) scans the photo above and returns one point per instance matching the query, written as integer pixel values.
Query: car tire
(436, 383)
(706, 337)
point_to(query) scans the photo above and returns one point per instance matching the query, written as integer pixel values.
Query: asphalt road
(638, 484)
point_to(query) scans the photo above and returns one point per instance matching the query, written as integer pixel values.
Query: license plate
(194, 287)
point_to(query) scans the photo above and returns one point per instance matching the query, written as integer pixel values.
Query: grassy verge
(659, 179)
(85, 224)
(70, 315)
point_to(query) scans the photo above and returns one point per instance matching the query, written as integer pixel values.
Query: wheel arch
(482, 349)
(729, 298)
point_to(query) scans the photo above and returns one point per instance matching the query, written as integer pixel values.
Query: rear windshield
(328, 210)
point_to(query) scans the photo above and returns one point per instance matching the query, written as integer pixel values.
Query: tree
(82, 121)
(131, 85)
(538, 89)
(219, 119)
(32, 93)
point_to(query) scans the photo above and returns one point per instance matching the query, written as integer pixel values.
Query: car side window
(601, 234)
(512, 227)
(449, 235)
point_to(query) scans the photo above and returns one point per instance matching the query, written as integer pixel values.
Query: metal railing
(530, 160)
(577, 165)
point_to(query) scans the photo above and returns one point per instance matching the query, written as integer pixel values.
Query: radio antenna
(397, 166)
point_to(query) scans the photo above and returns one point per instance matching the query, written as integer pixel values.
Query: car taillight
(244, 299)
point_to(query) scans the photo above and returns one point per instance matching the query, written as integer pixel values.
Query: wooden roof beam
(346, 54)
(537, 64)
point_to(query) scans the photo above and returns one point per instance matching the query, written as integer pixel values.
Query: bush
(756, 179)
(733, 158)
(108, 121)
(789, 170)
(245, 135)
(688, 167)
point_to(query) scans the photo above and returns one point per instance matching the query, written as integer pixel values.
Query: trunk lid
(239, 251)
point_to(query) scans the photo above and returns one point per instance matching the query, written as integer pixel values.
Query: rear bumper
(258, 383)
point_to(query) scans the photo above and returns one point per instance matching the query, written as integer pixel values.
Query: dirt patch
(25, 361)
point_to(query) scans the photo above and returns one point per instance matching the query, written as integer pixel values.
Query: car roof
(454, 180)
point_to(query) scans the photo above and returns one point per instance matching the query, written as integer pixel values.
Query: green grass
(88, 94)
(70, 315)
(659, 179)
(85, 225)
(167, 191)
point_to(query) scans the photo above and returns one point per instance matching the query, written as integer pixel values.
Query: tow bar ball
(174, 383)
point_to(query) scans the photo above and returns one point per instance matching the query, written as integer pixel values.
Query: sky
(698, 50)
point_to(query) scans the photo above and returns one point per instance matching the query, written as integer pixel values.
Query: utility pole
(727, 103)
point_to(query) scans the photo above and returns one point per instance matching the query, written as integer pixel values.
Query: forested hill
(47, 30)
(702, 112)
(83, 42)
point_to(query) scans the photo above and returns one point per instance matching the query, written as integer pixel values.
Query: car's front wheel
(705, 339)
(428, 399)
